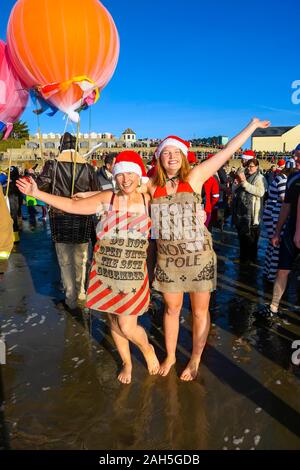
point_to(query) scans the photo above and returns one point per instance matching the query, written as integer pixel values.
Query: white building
(129, 137)
(51, 142)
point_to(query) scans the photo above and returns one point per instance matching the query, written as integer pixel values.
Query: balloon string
(67, 122)
(90, 127)
(75, 158)
(64, 134)
(73, 128)
(40, 138)
(8, 176)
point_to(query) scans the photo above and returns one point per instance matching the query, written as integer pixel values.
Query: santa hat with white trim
(130, 162)
(281, 163)
(192, 158)
(183, 145)
(248, 155)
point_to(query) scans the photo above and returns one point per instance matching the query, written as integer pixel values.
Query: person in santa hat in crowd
(118, 282)
(210, 195)
(94, 164)
(246, 156)
(186, 261)
(249, 192)
(192, 159)
(280, 165)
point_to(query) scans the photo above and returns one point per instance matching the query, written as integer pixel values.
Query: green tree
(20, 130)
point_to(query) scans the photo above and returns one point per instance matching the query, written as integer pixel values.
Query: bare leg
(201, 325)
(122, 345)
(279, 288)
(135, 333)
(173, 304)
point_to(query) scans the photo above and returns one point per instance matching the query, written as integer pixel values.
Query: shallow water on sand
(58, 389)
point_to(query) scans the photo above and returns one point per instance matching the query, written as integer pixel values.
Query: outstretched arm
(87, 206)
(200, 173)
(86, 195)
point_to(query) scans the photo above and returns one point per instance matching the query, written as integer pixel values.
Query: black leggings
(249, 244)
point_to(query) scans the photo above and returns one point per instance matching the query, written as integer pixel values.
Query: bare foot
(125, 375)
(191, 370)
(166, 366)
(152, 361)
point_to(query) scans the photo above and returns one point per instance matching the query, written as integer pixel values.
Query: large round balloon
(13, 97)
(66, 49)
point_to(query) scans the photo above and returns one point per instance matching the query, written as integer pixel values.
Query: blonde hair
(160, 178)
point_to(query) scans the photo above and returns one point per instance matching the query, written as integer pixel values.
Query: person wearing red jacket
(212, 195)
(210, 190)
(151, 172)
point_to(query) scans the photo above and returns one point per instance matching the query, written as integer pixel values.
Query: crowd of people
(120, 232)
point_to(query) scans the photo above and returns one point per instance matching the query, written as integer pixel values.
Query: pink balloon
(13, 97)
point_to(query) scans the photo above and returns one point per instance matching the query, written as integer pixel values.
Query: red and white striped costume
(118, 281)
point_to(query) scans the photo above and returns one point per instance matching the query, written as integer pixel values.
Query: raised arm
(87, 206)
(200, 173)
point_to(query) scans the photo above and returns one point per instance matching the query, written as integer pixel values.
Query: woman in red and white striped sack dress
(118, 282)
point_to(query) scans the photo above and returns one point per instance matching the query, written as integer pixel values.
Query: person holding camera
(249, 191)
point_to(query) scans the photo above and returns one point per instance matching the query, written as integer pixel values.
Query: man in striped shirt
(288, 251)
(276, 194)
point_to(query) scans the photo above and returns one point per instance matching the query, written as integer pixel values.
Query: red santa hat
(130, 162)
(281, 163)
(248, 155)
(192, 159)
(183, 145)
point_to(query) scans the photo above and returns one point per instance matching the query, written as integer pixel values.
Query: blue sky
(195, 68)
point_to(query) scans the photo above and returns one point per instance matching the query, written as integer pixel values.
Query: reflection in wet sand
(60, 383)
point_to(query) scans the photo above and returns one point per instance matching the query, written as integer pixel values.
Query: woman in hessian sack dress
(118, 283)
(186, 261)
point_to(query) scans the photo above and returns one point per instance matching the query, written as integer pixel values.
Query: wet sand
(58, 389)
